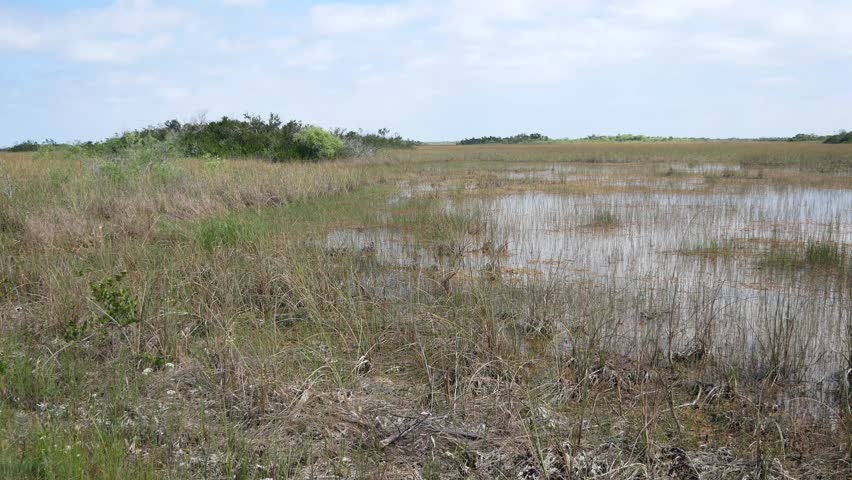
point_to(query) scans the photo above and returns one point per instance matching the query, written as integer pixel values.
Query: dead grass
(258, 352)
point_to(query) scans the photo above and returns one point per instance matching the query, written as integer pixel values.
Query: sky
(431, 70)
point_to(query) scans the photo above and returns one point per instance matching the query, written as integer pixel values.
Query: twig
(395, 438)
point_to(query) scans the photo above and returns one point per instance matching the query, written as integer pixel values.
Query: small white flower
(170, 365)
(147, 371)
(170, 392)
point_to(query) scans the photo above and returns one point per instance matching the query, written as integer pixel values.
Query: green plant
(115, 303)
(823, 253)
(153, 361)
(76, 328)
(778, 256)
(218, 232)
(841, 137)
(811, 254)
(212, 162)
(605, 219)
(317, 144)
(23, 382)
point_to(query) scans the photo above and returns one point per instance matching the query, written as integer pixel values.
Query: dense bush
(375, 141)
(806, 137)
(315, 143)
(842, 137)
(520, 138)
(255, 137)
(27, 146)
(624, 137)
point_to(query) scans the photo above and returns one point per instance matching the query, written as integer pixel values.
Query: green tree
(316, 144)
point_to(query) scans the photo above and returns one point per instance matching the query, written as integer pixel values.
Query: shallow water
(704, 168)
(741, 312)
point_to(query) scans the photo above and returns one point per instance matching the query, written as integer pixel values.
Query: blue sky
(432, 70)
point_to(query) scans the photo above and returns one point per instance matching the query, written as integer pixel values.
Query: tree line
(252, 136)
(520, 138)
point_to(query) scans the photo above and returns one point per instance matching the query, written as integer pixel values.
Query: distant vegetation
(842, 137)
(807, 137)
(253, 137)
(28, 146)
(630, 137)
(516, 139)
(272, 139)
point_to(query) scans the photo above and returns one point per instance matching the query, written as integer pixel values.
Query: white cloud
(17, 38)
(672, 10)
(342, 18)
(777, 81)
(243, 3)
(115, 51)
(734, 49)
(172, 93)
(120, 33)
(133, 17)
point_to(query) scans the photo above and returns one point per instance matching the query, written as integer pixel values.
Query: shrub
(252, 137)
(842, 137)
(516, 139)
(27, 146)
(116, 304)
(316, 144)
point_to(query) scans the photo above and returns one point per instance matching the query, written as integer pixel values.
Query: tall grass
(238, 344)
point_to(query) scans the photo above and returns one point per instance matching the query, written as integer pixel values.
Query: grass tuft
(605, 219)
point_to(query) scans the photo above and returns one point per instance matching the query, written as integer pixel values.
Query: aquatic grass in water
(604, 219)
(824, 253)
(714, 248)
(813, 254)
(719, 306)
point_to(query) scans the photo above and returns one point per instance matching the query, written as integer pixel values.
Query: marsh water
(680, 266)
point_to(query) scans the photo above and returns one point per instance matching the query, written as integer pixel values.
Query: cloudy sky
(430, 69)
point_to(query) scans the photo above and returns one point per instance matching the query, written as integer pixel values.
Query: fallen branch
(395, 438)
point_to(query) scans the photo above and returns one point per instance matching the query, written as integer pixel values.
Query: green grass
(221, 232)
(714, 249)
(824, 253)
(605, 219)
(811, 254)
(57, 454)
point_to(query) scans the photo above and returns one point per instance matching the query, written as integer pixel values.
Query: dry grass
(817, 157)
(239, 344)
